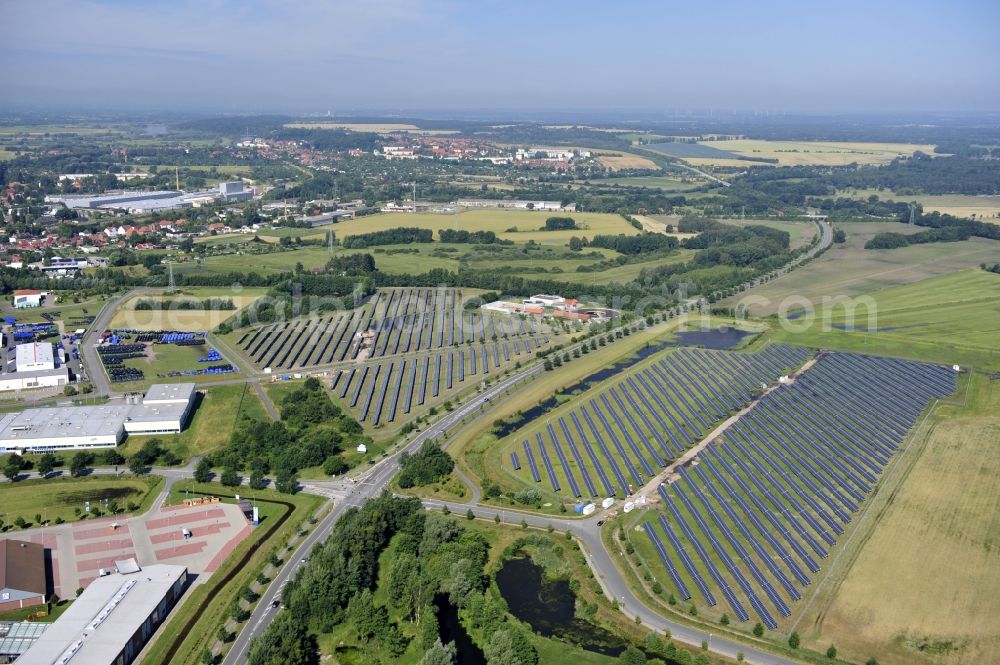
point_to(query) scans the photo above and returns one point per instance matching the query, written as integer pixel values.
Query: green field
(498, 221)
(220, 409)
(164, 363)
(851, 270)
(668, 183)
(800, 234)
(59, 497)
(952, 319)
(269, 263)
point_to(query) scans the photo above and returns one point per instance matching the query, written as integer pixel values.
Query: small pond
(451, 630)
(549, 608)
(719, 338)
(583, 384)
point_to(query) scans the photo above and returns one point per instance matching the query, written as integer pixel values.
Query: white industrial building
(24, 298)
(511, 204)
(545, 300)
(112, 619)
(34, 356)
(36, 366)
(164, 409)
(150, 201)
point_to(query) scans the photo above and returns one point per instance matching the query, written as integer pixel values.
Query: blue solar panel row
(789, 474)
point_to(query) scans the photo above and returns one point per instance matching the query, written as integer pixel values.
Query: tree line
(472, 237)
(396, 236)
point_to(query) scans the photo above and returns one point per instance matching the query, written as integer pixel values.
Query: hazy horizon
(411, 55)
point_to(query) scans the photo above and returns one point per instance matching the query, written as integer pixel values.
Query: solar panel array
(382, 391)
(398, 321)
(624, 436)
(765, 504)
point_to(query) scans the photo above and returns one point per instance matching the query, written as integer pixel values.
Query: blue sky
(405, 55)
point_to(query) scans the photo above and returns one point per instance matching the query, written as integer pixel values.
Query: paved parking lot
(79, 550)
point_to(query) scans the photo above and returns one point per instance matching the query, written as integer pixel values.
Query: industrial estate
(316, 387)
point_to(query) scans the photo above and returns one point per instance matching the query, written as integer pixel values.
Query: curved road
(354, 492)
(377, 479)
(368, 485)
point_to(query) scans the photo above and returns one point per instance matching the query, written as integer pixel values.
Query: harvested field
(820, 153)
(925, 588)
(985, 208)
(626, 161)
(378, 128)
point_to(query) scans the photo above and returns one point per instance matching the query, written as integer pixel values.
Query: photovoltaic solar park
(746, 524)
(615, 442)
(403, 351)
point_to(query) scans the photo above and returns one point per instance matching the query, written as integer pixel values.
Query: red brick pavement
(81, 534)
(180, 550)
(227, 549)
(103, 562)
(103, 546)
(175, 534)
(188, 518)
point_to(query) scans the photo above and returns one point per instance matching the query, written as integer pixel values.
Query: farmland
(800, 233)
(951, 318)
(788, 153)
(625, 160)
(668, 183)
(851, 270)
(189, 320)
(940, 531)
(985, 208)
(502, 222)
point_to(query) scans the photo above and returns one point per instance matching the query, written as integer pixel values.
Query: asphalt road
(355, 492)
(366, 486)
(88, 345)
(609, 575)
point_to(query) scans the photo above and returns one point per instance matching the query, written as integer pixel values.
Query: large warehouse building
(164, 409)
(113, 619)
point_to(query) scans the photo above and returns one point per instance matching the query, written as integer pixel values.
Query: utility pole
(177, 175)
(414, 196)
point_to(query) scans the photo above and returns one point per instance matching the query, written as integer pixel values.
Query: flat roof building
(24, 298)
(112, 619)
(22, 574)
(34, 356)
(165, 409)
